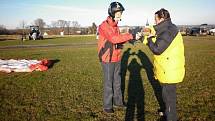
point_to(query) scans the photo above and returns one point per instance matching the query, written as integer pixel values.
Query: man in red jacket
(109, 51)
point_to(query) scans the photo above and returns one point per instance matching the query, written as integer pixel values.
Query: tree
(23, 24)
(94, 28)
(3, 30)
(23, 27)
(54, 25)
(39, 22)
(68, 25)
(75, 26)
(61, 24)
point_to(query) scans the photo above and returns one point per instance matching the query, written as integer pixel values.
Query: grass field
(50, 41)
(72, 89)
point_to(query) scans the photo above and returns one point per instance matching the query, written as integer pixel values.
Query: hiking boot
(108, 111)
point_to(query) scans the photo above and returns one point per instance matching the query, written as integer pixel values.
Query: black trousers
(169, 98)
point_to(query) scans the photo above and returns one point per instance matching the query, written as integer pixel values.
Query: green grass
(62, 40)
(72, 89)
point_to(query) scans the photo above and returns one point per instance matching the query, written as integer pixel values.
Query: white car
(212, 31)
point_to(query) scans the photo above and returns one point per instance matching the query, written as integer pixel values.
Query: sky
(137, 12)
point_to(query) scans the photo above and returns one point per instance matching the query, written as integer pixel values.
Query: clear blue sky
(87, 11)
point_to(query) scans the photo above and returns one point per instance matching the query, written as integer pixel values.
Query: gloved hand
(149, 32)
(136, 32)
(139, 36)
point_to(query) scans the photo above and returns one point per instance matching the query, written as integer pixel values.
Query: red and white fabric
(23, 65)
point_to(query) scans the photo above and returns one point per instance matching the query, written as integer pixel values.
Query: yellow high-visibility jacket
(169, 66)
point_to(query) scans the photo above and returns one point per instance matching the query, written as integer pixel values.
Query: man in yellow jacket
(166, 43)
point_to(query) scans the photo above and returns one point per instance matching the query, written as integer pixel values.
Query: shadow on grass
(52, 62)
(135, 103)
(124, 64)
(135, 93)
(147, 65)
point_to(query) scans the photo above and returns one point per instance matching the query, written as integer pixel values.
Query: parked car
(212, 31)
(195, 31)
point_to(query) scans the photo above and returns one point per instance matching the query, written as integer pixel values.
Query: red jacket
(109, 36)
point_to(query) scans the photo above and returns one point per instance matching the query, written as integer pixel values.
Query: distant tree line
(68, 27)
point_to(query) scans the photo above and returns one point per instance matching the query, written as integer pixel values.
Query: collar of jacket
(162, 25)
(111, 22)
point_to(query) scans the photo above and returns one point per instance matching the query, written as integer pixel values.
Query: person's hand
(136, 33)
(149, 31)
(146, 31)
(138, 36)
(150, 36)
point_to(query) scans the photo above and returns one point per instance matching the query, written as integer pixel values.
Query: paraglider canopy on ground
(24, 65)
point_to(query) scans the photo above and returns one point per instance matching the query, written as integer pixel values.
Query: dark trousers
(112, 85)
(169, 98)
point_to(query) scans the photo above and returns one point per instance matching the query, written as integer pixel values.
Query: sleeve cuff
(149, 40)
(145, 41)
